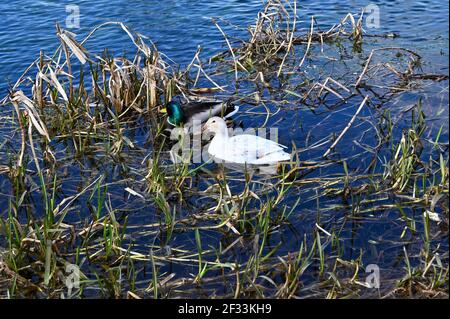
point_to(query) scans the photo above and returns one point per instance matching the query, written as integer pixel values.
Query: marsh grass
(87, 179)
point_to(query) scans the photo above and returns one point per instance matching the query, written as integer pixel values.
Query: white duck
(242, 149)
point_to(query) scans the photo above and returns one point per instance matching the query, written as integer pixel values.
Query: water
(178, 28)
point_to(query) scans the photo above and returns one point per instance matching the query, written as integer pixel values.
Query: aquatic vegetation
(87, 181)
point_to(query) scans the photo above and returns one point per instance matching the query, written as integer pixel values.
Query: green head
(175, 113)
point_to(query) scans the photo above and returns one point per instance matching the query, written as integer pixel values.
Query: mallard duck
(185, 114)
(242, 149)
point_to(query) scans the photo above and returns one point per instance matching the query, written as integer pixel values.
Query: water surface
(178, 28)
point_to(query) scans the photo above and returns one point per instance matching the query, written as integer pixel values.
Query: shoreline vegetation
(86, 179)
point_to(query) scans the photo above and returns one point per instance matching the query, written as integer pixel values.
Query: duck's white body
(242, 149)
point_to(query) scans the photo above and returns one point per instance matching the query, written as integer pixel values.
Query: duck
(243, 148)
(180, 114)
